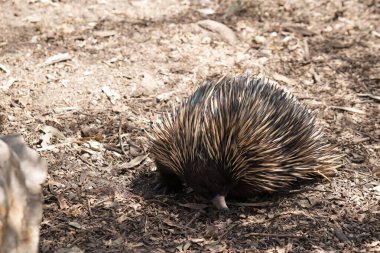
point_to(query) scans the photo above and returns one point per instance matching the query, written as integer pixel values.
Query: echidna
(239, 136)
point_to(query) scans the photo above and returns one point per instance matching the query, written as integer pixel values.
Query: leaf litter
(99, 198)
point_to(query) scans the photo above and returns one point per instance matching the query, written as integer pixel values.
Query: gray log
(22, 172)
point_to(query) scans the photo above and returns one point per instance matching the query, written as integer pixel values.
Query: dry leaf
(54, 131)
(111, 94)
(56, 58)
(376, 188)
(370, 96)
(122, 218)
(62, 202)
(194, 206)
(134, 162)
(172, 224)
(282, 78)
(70, 250)
(5, 69)
(74, 224)
(7, 84)
(224, 31)
(215, 247)
(104, 34)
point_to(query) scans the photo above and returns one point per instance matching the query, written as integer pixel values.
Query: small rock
(260, 39)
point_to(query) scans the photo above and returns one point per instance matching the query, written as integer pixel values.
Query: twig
(120, 136)
(193, 219)
(102, 201)
(316, 77)
(228, 230)
(309, 190)
(261, 204)
(276, 235)
(89, 207)
(370, 96)
(359, 172)
(112, 148)
(89, 164)
(306, 51)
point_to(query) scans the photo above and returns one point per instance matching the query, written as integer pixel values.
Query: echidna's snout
(220, 202)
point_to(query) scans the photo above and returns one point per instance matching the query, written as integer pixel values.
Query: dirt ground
(117, 64)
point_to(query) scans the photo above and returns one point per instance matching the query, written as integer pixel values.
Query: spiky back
(245, 129)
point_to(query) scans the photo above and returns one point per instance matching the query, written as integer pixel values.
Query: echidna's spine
(241, 135)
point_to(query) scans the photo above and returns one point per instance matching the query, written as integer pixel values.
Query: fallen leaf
(122, 218)
(111, 94)
(224, 31)
(57, 58)
(94, 145)
(69, 250)
(304, 203)
(54, 131)
(284, 79)
(194, 206)
(33, 19)
(215, 247)
(45, 139)
(74, 224)
(149, 84)
(197, 240)
(5, 69)
(82, 177)
(206, 11)
(340, 235)
(134, 162)
(164, 97)
(299, 29)
(186, 246)
(376, 188)
(172, 224)
(7, 84)
(105, 34)
(62, 202)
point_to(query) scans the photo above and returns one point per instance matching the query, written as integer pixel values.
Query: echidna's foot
(224, 212)
(167, 184)
(219, 202)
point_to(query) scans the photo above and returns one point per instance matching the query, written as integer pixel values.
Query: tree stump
(22, 172)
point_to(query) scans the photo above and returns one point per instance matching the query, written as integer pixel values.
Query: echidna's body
(239, 136)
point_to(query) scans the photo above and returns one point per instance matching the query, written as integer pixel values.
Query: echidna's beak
(220, 202)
